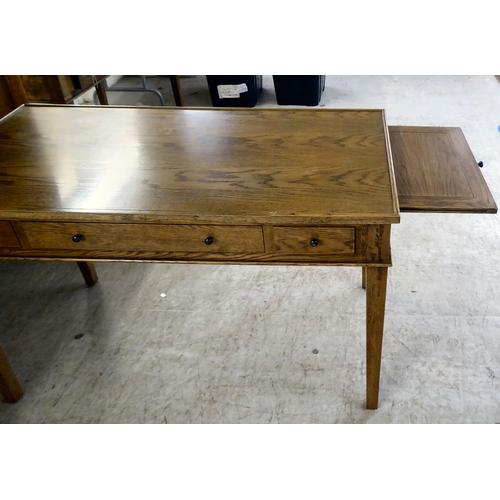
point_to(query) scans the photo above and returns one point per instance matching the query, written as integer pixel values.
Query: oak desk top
(226, 166)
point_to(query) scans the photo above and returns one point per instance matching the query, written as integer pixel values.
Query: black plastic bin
(304, 90)
(234, 90)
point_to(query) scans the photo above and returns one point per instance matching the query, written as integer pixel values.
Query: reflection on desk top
(289, 166)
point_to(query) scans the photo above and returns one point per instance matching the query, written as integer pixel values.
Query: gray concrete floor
(234, 344)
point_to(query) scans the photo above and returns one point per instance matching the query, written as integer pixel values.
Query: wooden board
(436, 171)
(238, 166)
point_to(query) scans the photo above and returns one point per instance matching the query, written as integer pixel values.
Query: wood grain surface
(291, 240)
(369, 244)
(376, 289)
(224, 166)
(143, 237)
(8, 237)
(436, 171)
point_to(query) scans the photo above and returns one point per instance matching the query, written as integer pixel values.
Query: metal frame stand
(144, 88)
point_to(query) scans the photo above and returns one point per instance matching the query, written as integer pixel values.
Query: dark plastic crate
(243, 98)
(303, 90)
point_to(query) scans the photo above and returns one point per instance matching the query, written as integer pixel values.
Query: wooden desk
(239, 186)
(305, 187)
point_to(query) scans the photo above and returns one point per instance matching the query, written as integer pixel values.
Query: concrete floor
(234, 344)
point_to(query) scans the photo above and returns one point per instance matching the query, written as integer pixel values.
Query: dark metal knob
(209, 240)
(314, 242)
(77, 238)
(481, 164)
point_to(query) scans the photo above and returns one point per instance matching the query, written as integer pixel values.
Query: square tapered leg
(88, 272)
(376, 287)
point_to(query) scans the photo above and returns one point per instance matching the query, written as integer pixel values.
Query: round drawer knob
(77, 238)
(314, 242)
(209, 240)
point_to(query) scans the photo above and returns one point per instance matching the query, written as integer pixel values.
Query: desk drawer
(8, 238)
(315, 240)
(144, 237)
